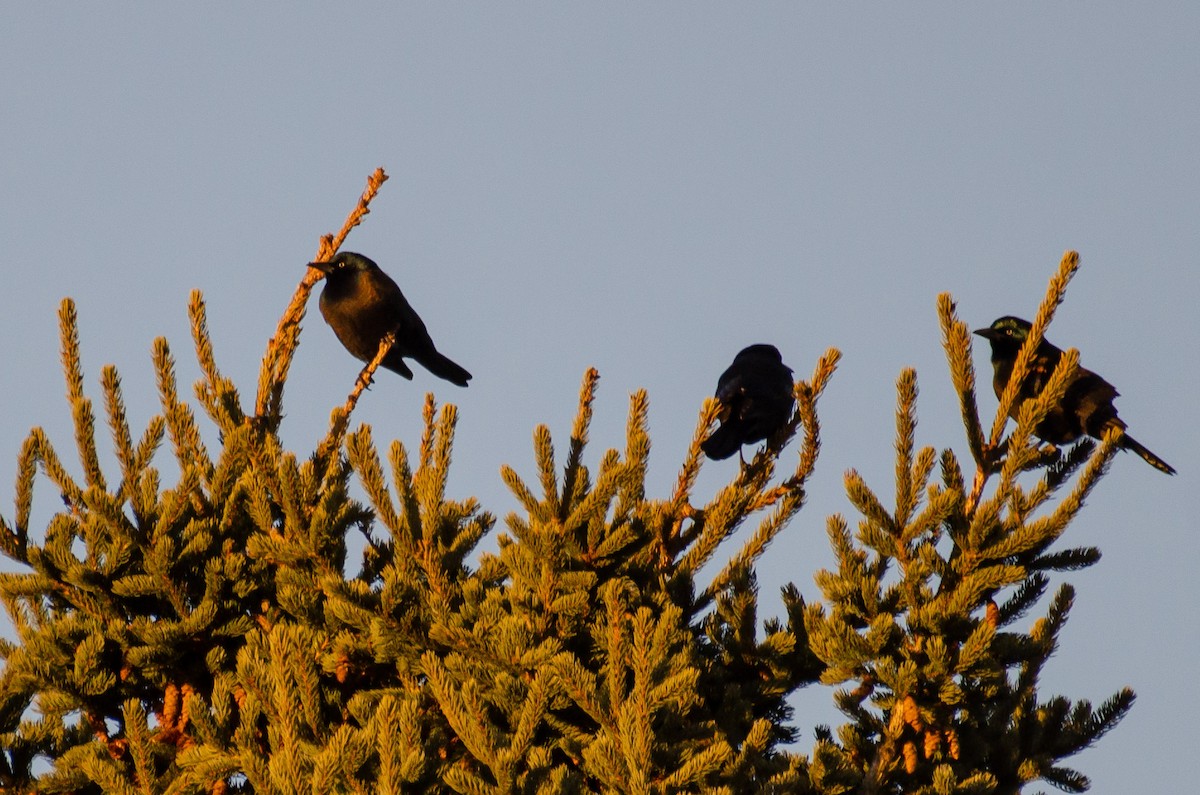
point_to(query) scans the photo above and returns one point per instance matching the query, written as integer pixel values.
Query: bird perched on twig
(756, 399)
(362, 304)
(1086, 408)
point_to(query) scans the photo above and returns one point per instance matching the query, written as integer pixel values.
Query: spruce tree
(200, 636)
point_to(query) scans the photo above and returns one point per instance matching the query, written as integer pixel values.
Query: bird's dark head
(1006, 333)
(760, 352)
(345, 262)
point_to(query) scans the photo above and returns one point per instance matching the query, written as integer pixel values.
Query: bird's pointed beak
(986, 333)
(324, 267)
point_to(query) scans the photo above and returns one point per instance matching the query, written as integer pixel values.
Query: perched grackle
(362, 304)
(1086, 408)
(756, 399)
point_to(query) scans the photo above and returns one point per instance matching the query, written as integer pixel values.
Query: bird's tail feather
(442, 367)
(722, 443)
(1129, 443)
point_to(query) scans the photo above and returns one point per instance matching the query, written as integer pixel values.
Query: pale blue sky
(647, 191)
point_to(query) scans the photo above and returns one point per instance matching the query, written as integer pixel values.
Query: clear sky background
(645, 190)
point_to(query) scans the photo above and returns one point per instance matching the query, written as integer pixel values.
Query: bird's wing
(411, 336)
(1040, 369)
(386, 294)
(1092, 400)
(731, 392)
(1098, 390)
(730, 387)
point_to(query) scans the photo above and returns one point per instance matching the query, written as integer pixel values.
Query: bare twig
(282, 346)
(340, 418)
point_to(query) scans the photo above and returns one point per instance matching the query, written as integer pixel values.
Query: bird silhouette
(362, 305)
(1086, 407)
(756, 399)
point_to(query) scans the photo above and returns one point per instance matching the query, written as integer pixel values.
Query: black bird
(1086, 408)
(756, 399)
(362, 304)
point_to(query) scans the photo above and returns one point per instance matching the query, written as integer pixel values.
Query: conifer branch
(215, 392)
(1058, 472)
(543, 453)
(906, 427)
(1097, 465)
(71, 493)
(360, 449)
(402, 479)
(425, 450)
(439, 468)
(807, 395)
(1032, 412)
(522, 492)
(673, 539)
(1066, 560)
(1090, 726)
(1027, 594)
(463, 708)
(940, 503)
(758, 543)
(81, 407)
(582, 687)
(27, 460)
(579, 436)
(806, 408)
(637, 454)
(956, 340)
(721, 518)
(10, 543)
(114, 407)
(688, 472)
(826, 367)
(1054, 296)
(591, 509)
(180, 422)
(868, 505)
(1065, 779)
(68, 324)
